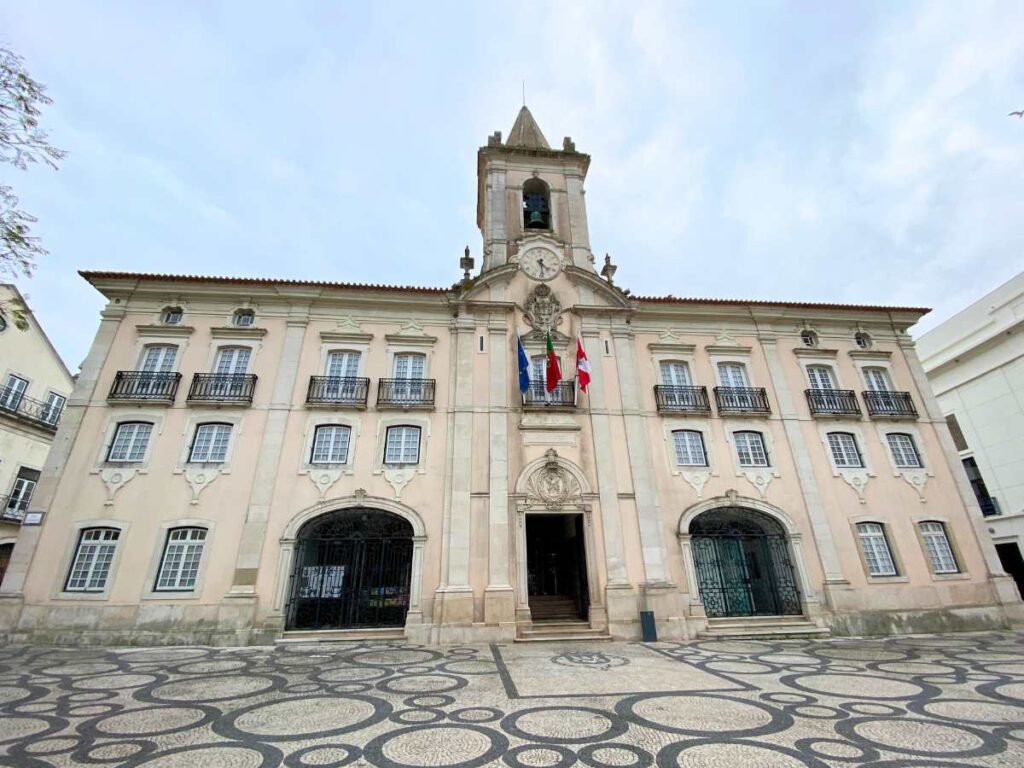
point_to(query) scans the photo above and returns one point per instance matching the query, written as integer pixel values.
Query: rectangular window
(820, 377)
(936, 544)
(210, 443)
(159, 358)
(877, 380)
(13, 391)
(904, 452)
(93, 557)
(233, 360)
(53, 408)
(409, 366)
(402, 445)
(343, 364)
(180, 564)
(130, 441)
(330, 444)
(750, 449)
(675, 374)
(844, 450)
(733, 375)
(689, 447)
(21, 493)
(875, 547)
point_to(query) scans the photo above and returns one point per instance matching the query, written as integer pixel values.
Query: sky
(848, 152)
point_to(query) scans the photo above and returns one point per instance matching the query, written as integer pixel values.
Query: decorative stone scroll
(552, 486)
(115, 479)
(199, 478)
(543, 311)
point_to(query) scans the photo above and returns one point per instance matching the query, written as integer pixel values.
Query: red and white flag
(582, 366)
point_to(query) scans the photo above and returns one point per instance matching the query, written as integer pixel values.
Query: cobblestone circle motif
(933, 702)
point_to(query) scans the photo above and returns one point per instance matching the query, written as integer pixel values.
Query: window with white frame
(821, 377)
(210, 444)
(179, 567)
(232, 360)
(243, 318)
(158, 358)
(845, 452)
(875, 546)
(94, 554)
(402, 445)
(936, 545)
(343, 364)
(689, 448)
(809, 338)
(330, 444)
(171, 316)
(733, 375)
(21, 493)
(409, 365)
(877, 379)
(131, 438)
(13, 392)
(54, 407)
(904, 450)
(675, 373)
(750, 449)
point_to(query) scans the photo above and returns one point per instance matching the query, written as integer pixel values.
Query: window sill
(169, 594)
(63, 595)
(888, 579)
(959, 576)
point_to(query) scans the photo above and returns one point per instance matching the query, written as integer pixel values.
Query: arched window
(536, 205)
(821, 377)
(179, 565)
(845, 452)
(875, 546)
(171, 316)
(877, 379)
(94, 554)
(232, 360)
(904, 450)
(158, 358)
(689, 448)
(330, 444)
(131, 438)
(809, 338)
(210, 444)
(243, 318)
(936, 545)
(675, 373)
(750, 449)
(402, 445)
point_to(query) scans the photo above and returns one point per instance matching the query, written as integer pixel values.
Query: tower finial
(524, 93)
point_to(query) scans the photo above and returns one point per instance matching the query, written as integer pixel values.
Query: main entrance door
(556, 567)
(743, 564)
(352, 568)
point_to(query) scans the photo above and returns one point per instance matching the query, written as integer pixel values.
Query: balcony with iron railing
(337, 391)
(13, 507)
(563, 396)
(742, 401)
(405, 393)
(681, 399)
(29, 410)
(832, 402)
(889, 405)
(148, 386)
(222, 388)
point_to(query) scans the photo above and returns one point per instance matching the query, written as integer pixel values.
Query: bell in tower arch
(536, 207)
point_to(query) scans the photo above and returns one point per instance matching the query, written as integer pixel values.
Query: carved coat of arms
(543, 311)
(552, 485)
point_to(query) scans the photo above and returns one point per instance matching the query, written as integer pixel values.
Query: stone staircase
(560, 631)
(753, 627)
(294, 637)
(554, 608)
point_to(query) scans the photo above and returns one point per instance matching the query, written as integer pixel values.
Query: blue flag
(524, 367)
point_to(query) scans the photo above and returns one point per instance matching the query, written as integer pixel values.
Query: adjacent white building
(975, 362)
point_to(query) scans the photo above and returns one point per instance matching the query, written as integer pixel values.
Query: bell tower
(525, 189)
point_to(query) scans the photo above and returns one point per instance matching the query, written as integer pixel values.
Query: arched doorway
(352, 568)
(743, 564)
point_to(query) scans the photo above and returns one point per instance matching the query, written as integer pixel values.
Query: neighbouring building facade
(244, 459)
(34, 385)
(975, 363)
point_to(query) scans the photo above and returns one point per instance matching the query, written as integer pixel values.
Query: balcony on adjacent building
(337, 391)
(148, 386)
(681, 399)
(405, 393)
(890, 405)
(13, 507)
(742, 401)
(222, 388)
(832, 402)
(29, 410)
(563, 396)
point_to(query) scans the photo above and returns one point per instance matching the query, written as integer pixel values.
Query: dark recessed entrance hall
(557, 568)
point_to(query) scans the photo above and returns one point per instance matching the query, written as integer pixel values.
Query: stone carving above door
(543, 311)
(552, 486)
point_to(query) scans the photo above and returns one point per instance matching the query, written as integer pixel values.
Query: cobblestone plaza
(913, 701)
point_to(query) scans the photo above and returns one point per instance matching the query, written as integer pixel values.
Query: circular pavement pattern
(924, 702)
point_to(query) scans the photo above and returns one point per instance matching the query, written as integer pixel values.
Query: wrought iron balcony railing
(145, 385)
(890, 405)
(15, 403)
(337, 390)
(405, 393)
(13, 507)
(682, 399)
(562, 396)
(222, 387)
(832, 402)
(742, 400)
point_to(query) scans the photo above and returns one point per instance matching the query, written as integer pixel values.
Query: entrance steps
(295, 637)
(753, 627)
(553, 608)
(560, 631)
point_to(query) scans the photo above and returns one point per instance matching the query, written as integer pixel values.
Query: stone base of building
(924, 622)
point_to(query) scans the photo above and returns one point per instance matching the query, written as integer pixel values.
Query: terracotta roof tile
(92, 275)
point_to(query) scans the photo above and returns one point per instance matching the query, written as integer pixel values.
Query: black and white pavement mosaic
(930, 702)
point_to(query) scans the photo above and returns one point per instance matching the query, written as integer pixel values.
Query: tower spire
(526, 133)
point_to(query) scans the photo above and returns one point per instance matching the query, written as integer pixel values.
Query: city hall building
(243, 460)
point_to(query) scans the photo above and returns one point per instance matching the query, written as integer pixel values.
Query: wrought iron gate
(351, 569)
(743, 564)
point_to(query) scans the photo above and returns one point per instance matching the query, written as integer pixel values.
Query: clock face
(540, 264)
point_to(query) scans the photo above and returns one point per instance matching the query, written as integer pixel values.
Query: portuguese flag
(553, 374)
